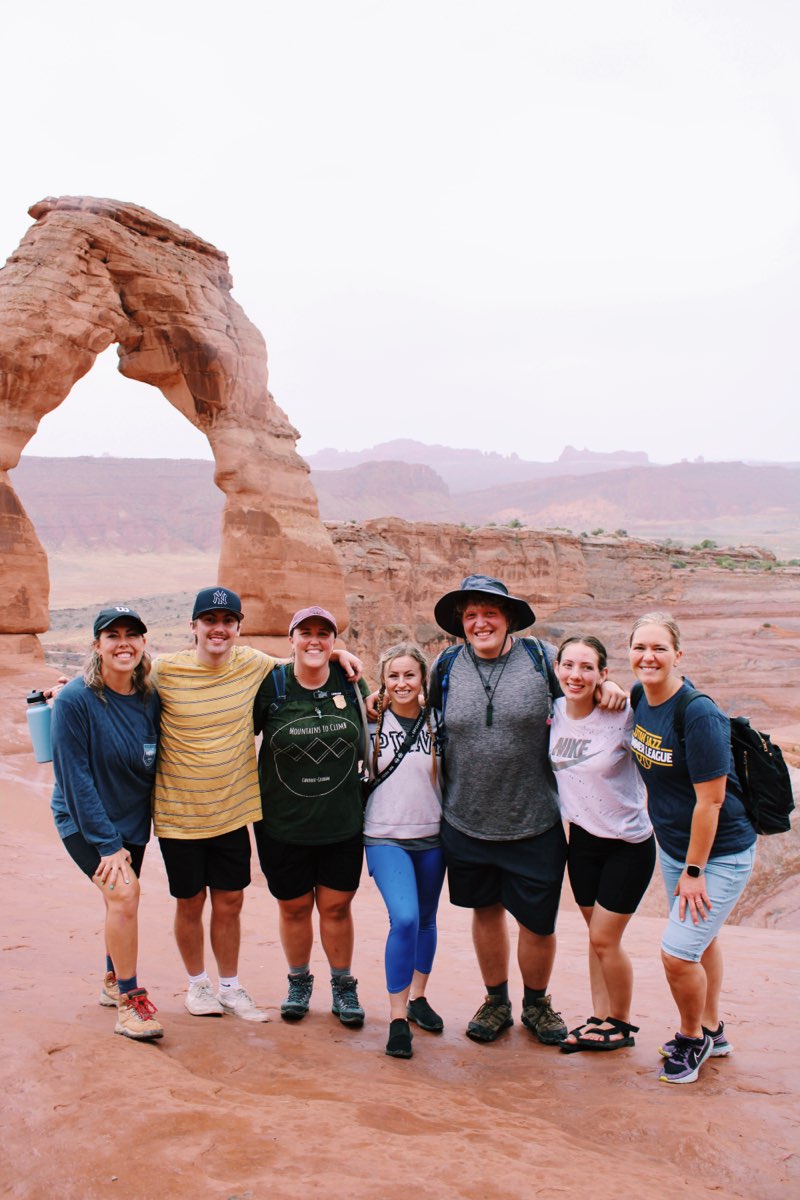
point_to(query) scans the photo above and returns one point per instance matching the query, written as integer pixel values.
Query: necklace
(486, 683)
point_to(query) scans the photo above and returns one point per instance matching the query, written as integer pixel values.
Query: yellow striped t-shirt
(206, 774)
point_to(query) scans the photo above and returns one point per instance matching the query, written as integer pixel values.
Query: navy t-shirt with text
(670, 768)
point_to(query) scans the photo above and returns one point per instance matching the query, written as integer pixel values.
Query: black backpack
(762, 773)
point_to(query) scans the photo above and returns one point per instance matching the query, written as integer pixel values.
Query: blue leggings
(410, 882)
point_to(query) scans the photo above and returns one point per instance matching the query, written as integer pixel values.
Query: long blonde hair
(404, 650)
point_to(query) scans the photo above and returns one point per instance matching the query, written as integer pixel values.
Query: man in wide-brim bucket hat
(447, 612)
(501, 830)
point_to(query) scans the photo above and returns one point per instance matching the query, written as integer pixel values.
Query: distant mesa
(473, 470)
(618, 457)
(92, 272)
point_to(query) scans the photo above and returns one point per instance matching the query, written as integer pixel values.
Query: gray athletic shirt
(498, 782)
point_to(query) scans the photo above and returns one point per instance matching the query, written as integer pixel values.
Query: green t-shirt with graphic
(308, 761)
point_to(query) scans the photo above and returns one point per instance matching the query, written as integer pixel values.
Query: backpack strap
(407, 743)
(444, 665)
(278, 680)
(684, 700)
(353, 694)
(533, 648)
(538, 656)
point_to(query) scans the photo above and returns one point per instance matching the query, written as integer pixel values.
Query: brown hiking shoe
(109, 992)
(490, 1020)
(543, 1022)
(135, 1017)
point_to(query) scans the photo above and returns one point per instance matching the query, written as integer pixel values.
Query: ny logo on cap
(221, 598)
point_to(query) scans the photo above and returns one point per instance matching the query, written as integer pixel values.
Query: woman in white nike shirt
(611, 843)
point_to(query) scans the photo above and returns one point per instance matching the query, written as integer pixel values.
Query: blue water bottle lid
(35, 697)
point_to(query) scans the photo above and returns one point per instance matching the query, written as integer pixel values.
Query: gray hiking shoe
(344, 1000)
(490, 1020)
(543, 1022)
(295, 1006)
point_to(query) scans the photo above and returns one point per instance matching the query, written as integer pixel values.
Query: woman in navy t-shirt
(105, 737)
(706, 842)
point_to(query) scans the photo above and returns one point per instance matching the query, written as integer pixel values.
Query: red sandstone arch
(91, 272)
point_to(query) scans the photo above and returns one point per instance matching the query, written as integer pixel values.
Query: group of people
(470, 768)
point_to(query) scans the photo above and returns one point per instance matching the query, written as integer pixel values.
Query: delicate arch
(90, 272)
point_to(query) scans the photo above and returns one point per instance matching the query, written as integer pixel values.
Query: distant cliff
(167, 504)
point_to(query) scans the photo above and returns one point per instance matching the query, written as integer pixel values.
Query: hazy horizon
(519, 227)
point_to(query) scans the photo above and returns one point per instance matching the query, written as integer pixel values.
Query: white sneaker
(201, 1001)
(238, 1003)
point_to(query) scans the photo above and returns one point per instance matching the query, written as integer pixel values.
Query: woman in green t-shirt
(309, 838)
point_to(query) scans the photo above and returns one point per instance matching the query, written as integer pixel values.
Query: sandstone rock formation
(90, 272)
(740, 628)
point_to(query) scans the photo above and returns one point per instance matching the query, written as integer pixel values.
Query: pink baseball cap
(314, 611)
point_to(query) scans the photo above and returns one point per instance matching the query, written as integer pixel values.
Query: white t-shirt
(599, 785)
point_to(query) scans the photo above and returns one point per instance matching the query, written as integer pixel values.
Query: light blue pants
(410, 882)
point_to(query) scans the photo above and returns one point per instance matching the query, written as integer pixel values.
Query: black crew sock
(498, 991)
(531, 995)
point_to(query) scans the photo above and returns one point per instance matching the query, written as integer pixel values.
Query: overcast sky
(506, 225)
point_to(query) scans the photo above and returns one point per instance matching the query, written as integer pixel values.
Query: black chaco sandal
(604, 1039)
(571, 1047)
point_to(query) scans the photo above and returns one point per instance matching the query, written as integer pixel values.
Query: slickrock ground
(223, 1109)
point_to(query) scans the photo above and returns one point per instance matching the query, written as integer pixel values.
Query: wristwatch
(694, 872)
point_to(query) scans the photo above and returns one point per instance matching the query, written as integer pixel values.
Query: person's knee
(191, 908)
(226, 904)
(124, 900)
(331, 909)
(677, 969)
(297, 911)
(603, 941)
(404, 922)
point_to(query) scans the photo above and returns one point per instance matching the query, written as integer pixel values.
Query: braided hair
(404, 650)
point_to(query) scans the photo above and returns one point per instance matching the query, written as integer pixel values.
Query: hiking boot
(683, 1065)
(399, 1043)
(295, 1006)
(109, 992)
(490, 1020)
(543, 1022)
(421, 1013)
(239, 1003)
(135, 1017)
(721, 1047)
(201, 1001)
(345, 1004)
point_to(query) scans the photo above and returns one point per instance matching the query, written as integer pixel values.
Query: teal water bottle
(39, 713)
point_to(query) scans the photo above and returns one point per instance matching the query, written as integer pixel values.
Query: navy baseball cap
(217, 599)
(117, 612)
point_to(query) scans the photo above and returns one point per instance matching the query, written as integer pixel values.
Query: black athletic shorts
(88, 856)
(194, 864)
(524, 876)
(292, 870)
(608, 871)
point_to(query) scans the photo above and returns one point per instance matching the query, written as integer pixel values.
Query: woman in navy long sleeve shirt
(105, 737)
